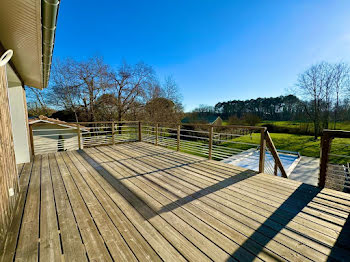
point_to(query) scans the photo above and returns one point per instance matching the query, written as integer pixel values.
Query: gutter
(49, 20)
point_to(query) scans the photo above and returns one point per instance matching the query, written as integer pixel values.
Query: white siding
(50, 138)
(19, 126)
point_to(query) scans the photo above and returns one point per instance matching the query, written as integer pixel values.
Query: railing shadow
(117, 183)
(208, 190)
(343, 241)
(299, 199)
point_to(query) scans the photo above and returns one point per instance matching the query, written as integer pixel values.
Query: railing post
(156, 141)
(140, 131)
(262, 151)
(31, 139)
(275, 169)
(178, 138)
(113, 140)
(274, 153)
(324, 157)
(79, 135)
(210, 142)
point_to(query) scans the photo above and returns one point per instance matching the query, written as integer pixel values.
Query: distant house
(52, 135)
(204, 119)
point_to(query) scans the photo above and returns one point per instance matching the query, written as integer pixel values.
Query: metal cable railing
(240, 145)
(335, 160)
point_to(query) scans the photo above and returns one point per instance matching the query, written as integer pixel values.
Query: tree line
(92, 90)
(271, 108)
(321, 96)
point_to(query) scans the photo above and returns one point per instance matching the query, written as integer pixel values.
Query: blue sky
(216, 50)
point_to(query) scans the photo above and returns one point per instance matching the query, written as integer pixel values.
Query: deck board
(139, 202)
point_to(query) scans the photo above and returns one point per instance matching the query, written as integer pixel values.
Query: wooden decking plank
(240, 226)
(167, 205)
(229, 214)
(313, 205)
(195, 168)
(226, 167)
(50, 247)
(195, 174)
(93, 241)
(210, 179)
(144, 159)
(216, 164)
(317, 242)
(28, 243)
(72, 244)
(195, 222)
(279, 195)
(138, 155)
(119, 250)
(165, 250)
(12, 236)
(196, 238)
(135, 240)
(180, 242)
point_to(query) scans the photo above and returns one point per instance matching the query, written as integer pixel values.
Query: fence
(233, 144)
(335, 160)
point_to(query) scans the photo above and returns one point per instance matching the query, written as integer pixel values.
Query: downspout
(49, 19)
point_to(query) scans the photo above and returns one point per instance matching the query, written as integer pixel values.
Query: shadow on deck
(136, 202)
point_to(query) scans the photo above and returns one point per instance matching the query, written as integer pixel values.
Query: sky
(216, 50)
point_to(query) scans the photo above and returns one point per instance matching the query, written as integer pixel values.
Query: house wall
(46, 138)
(8, 170)
(18, 110)
(217, 122)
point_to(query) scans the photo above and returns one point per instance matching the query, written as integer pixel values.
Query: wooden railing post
(262, 151)
(275, 154)
(140, 131)
(210, 142)
(31, 139)
(79, 136)
(113, 140)
(178, 138)
(157, 133)
(324, 157)
(275, 169)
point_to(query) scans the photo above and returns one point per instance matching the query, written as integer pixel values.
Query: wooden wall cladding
(8, 169)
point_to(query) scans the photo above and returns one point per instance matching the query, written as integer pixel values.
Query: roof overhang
(21, 29)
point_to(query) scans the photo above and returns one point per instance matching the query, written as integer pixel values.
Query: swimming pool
(250, 159)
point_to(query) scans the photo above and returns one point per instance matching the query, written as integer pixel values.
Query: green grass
(298, 124)
(305, 145)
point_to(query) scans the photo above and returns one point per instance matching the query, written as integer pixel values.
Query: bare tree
(129, 83)
(341, 83)
(171, 90)
(77, 85)
(312, 85)
(37, 102)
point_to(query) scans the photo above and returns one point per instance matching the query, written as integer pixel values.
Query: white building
(52, 135)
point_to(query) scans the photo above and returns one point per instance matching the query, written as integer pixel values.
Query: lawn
(303, 125)
(305, 145)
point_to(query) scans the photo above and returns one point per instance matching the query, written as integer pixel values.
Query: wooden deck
(139, 202)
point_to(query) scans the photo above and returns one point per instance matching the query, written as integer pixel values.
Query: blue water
(250, 160)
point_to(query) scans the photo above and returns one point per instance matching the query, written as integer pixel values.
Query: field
(303, 125)
(305, 145)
